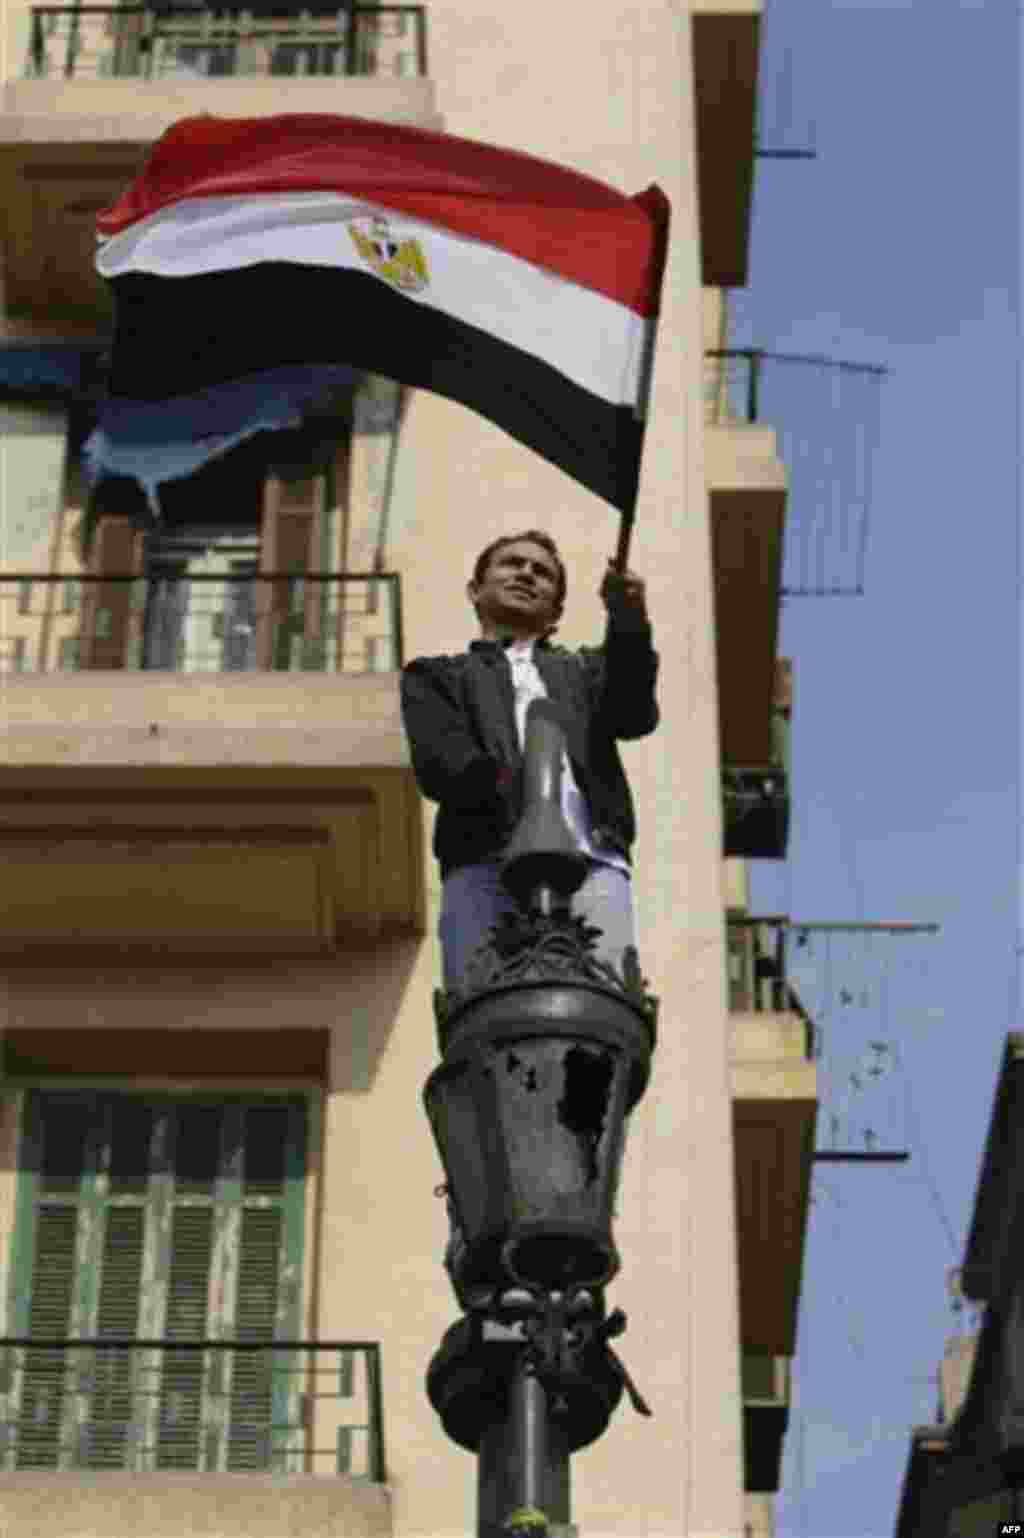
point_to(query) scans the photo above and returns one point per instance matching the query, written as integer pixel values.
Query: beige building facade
(223, 906)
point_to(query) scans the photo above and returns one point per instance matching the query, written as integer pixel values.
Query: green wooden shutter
(195, 1139)
(107, 1431)
(166, 1219)
(44, 1275)
(262, 1286)
(106, 1436)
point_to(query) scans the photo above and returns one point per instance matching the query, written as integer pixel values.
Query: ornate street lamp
(545, 1052)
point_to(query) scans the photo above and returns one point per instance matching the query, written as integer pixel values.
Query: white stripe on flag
(586, 336)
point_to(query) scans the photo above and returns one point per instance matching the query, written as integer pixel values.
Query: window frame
(227, 1199)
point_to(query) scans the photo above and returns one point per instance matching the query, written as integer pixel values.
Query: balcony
(101, 83)
(158, 1435)
(755, 812)
(774, 1088)
(187, 620)
(755, 798)
(172, 42)
(205, 759)
(747, 488)
(726, 45)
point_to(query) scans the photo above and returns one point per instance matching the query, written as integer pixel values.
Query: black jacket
(459, 715)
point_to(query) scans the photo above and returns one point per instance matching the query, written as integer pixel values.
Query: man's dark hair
(536, 537)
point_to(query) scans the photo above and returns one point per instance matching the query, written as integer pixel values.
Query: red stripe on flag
(573, 225)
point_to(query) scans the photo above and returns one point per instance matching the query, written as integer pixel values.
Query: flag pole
(659, 206)
(621, 559)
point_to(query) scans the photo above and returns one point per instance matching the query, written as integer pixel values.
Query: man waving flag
(518, 288)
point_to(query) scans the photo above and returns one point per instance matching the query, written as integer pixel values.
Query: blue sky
(900, 246)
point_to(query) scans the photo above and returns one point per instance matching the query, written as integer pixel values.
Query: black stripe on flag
(177, 336)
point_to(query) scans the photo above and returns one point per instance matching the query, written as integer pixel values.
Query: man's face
(519, 588)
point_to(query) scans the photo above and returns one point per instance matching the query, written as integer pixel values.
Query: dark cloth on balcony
(459, 715)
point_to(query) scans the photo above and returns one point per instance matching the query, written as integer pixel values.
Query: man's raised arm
(624, 671)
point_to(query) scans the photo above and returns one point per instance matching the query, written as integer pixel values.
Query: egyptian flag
(520, 289)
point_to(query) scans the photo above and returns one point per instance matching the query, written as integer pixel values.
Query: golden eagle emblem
(399, 262)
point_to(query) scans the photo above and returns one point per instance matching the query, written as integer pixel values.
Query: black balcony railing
(202, 622)
(756, 950)
(201, 1406)
(732, 378)
(181, 42)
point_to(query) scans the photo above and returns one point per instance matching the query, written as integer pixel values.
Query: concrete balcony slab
(248, 812)
(109, 1505)
(774, 1109)
(726, 46)
(747, 486)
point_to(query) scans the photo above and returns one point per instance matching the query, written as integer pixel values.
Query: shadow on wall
(213, 1019)
(380, 986)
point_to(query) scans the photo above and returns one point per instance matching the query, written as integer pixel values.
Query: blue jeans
(473, 901)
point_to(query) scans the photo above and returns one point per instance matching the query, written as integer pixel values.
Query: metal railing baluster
(187, 620)
(351, 33)
(111, 1405)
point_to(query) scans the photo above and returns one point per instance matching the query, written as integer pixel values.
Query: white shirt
(528, 685)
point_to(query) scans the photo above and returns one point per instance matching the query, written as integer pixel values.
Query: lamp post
(545, 1052)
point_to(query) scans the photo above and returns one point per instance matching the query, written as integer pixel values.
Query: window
(25, 595)
(71, 596)
(68, 659)
(160, 1219)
